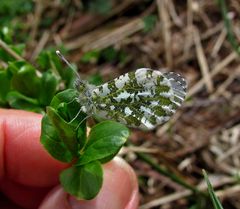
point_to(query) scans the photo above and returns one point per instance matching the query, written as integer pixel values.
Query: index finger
(22, 157)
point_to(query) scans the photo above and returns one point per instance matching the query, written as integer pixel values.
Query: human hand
(29, 175)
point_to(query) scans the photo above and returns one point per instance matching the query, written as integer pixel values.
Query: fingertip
(119, 191)
(56, 199)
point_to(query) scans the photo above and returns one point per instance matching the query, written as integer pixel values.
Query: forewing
(141, 99)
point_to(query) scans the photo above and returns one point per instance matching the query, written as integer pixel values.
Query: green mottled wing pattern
(141, 99)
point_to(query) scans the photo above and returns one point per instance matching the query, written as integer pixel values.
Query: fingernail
(56, 199)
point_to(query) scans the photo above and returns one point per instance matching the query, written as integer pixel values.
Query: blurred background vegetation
(105, 38)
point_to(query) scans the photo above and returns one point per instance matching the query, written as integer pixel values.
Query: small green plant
(64, 132)
(23, 85)
(10, 9)
(228, 25)
(49, 87)
(66, 140)
(215, 200)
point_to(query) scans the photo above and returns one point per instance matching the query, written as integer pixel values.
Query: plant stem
(10, 51)
(231, 38)
(166, 173)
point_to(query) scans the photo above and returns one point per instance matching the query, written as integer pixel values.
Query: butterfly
(141, 99)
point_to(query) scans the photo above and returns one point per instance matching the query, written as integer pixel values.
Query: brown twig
(106, 38)
(185, 193)
(218, 68)
(10, 51)
(202, 61)
(166, 32)
(40, 45)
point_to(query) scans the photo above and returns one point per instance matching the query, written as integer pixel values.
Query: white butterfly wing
(141, 99)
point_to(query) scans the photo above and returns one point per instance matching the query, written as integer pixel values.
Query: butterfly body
(142, 99)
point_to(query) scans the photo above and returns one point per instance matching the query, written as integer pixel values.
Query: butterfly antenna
(59, 54)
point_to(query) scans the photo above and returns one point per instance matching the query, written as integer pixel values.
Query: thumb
(119, 191)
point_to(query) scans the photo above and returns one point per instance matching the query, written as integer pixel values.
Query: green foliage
(24, 78)
(5, 80)
(215, 200)
(149, 22)
(13, 7)
(64, 131)
(64, 136)
(103, 142)
(59, 129)
(91, 56)
(52, 143)
(17, 100)
(26, 87)
(6, 35)
(99, 6)
(48, 84)
(95, 79)
(109, 54)
(11, 10)
(83, 182)
(228, 25)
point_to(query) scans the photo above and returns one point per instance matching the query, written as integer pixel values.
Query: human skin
(29, 175)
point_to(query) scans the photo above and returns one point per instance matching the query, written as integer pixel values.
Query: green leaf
(149, 22)
(25, 79)
(105, 148)
(13, 7)
(78, 120)
(63, 131)
(5, 79)
(84, 182)
(68, 108)
(49, 60)
(18, 48)
(91, 56)
(48, 88)
(66, 96)
(99, 6)
(215, 200)
(104, 142)
(107, 129)
(66, 131)
(109, 54)
(44, 60)
(52, 143)
(6, 35)
(20, 101)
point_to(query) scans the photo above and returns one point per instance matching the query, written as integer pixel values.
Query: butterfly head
(84, 98)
